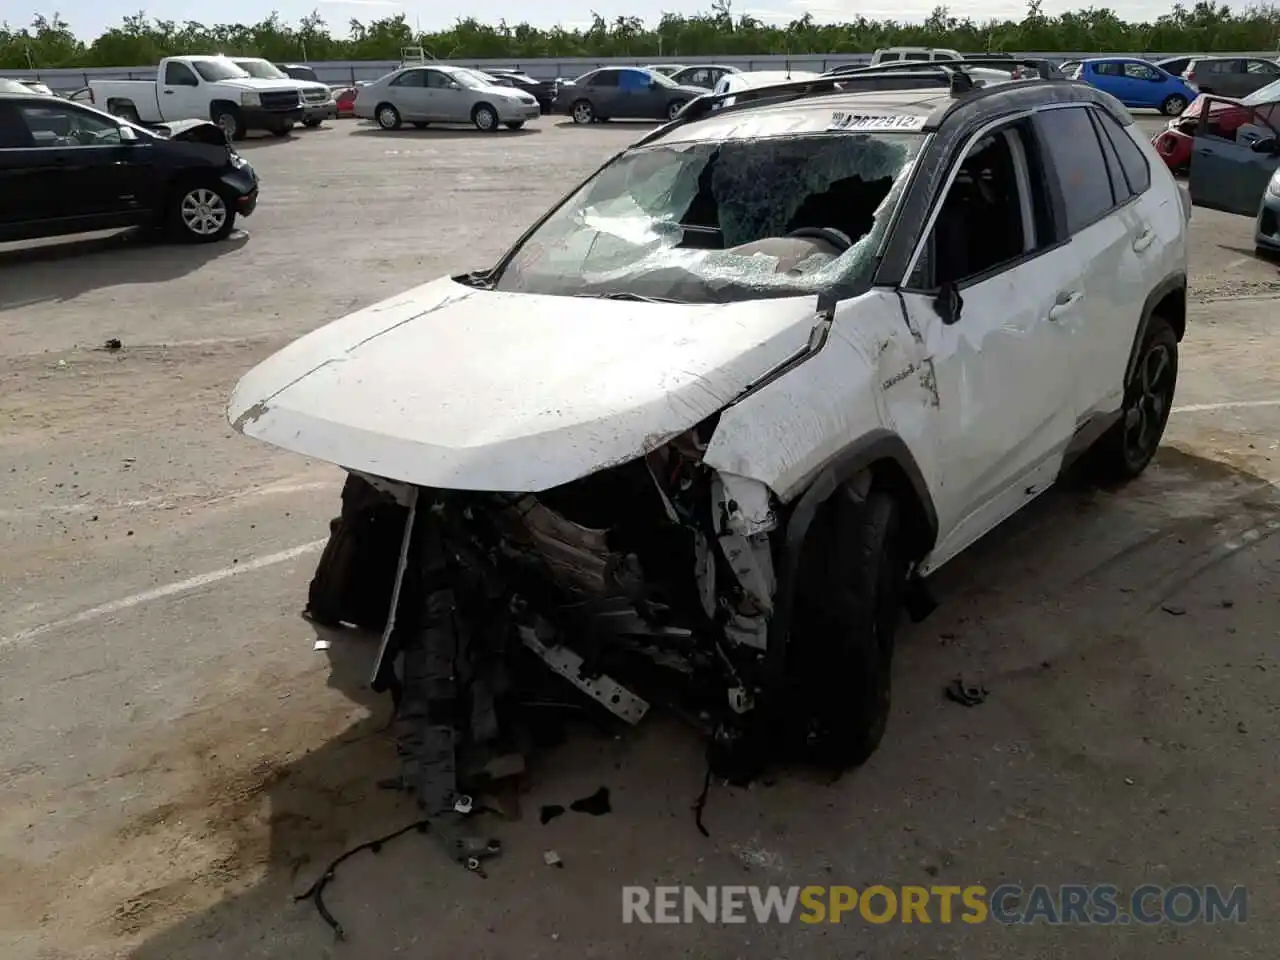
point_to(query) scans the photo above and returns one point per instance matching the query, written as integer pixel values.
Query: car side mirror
(128, 135)
(1268, 145)
(454, 85)
(948, 303)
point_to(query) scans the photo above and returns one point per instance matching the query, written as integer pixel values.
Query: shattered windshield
(722, 220)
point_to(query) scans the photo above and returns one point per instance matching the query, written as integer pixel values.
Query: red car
(1224, 118)
(346, 101)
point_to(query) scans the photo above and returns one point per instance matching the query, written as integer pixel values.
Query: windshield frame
(471, 79)
(278, 74)
(840, 290)
(214, 65)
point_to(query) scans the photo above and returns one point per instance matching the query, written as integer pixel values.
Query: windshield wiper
(628, 296)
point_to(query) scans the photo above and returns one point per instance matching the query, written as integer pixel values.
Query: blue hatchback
(1136, 83)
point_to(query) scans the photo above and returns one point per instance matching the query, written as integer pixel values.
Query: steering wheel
(836, 238)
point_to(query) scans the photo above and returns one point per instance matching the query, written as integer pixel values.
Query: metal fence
(349, 71)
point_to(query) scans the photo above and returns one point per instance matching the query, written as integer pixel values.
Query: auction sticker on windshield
(842, 120)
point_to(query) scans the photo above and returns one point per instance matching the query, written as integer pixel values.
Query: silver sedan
(422, 95)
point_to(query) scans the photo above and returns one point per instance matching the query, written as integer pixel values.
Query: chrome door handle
(1143, 240)
(1065, 302)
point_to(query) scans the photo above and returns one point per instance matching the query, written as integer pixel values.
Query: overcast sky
(90, 17)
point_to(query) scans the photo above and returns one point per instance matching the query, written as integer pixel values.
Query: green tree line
(50, 41)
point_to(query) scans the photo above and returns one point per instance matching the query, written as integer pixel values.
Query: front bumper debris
(648, 581)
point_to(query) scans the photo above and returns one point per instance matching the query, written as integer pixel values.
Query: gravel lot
(175, 758)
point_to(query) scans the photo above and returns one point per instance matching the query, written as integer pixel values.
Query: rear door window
(1137, 172)
(633, 80)
(410, 78)
(604, 78)
(1075, 156)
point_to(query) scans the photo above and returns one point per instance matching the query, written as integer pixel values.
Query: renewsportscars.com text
(1068, 904)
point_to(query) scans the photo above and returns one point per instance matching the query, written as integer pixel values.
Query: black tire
(515, 125)
(357, 571)
(421, 125)
(850, 592)
(229, 119)
(582, 112)
(194, 208)
(281, 130)
(1173, 105)
(485, 118)
(387, 116)
(674, 107)
(1124, 451)
(312, 122)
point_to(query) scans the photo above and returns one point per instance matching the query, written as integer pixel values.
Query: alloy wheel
(1150, 399)
(203, 211)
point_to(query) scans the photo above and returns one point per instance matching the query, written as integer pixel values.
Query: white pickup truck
(203, 88)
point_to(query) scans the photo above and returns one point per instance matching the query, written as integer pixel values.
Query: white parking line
(166, 503)
(1226, 405)
(159, 593)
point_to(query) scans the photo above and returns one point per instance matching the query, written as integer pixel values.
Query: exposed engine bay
(652, 580)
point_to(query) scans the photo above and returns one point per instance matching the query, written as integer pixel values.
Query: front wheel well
(889, 476)
(218, 106)
(1173, 308)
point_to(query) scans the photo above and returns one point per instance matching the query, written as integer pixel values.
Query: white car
(752, 79)
(438, 93)
(727, 406)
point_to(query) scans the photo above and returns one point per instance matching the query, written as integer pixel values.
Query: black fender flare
(1171, 284)
(877, 446)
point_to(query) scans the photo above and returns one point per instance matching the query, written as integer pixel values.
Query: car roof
(916, 106)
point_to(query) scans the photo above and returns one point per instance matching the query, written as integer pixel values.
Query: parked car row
(1170, 85)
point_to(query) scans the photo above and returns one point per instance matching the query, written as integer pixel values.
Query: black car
(544, 91)
(69, 168)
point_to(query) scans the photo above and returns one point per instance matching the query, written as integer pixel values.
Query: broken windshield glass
(724, 220)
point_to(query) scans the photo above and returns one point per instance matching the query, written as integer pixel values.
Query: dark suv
(69, 168)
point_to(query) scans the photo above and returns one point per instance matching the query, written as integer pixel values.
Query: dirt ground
(176, 759)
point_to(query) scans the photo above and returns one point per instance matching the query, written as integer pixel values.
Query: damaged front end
(652, 579)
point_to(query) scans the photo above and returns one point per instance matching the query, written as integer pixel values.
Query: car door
(77, 166)
(180, 95)
(602, 91)
(451, 102)
(1226, 77)
(634, 95)
(1144, 84)
(408, 93)
(1257, 74)
(1005, 368)
(1232, 174)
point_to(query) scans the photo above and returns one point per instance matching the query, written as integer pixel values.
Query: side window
(633, 80)
(604, 78)
(1263, 67)
(1226, 66)
(993, 213)
(1108, 69)
(179, 75)
(891, 58)
(1120, 192)
(410, 78)
(916, 56)
(435, 79)
(1078, 163)
(63, 125)
(13, 131)
(1140, 71)
(1137, 172)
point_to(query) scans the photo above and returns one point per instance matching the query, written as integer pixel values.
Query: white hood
(261, 85)
(449, 386)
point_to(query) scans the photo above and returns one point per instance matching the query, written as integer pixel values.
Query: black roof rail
(1045, 69)
(795, 89)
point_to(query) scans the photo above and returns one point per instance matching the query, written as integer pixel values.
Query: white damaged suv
(715, 416)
